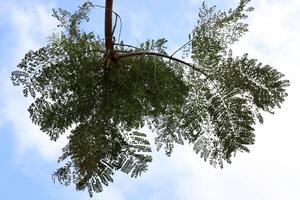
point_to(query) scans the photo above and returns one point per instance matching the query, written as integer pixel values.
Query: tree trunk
(108, 26)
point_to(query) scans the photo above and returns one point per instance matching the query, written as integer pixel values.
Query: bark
(108, 26)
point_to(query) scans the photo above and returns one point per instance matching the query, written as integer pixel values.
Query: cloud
(30, 24)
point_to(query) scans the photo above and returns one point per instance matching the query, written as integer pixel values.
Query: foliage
(212, 103)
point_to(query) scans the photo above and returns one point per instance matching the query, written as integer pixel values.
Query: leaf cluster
(212, 105)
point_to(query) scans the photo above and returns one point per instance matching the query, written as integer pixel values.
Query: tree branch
(120, 56)
(117, 16)
(108, 25)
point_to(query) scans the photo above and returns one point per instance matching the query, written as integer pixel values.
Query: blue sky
(270, 171)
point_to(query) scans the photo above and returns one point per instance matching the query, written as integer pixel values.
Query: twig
(181, 48)
(127, 45)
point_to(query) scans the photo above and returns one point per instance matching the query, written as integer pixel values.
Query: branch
(117, 16)
(161, 55)
(108, 25)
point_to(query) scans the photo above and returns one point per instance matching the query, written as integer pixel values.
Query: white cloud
(31, 23)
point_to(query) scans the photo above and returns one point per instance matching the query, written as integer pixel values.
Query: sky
(270, 171)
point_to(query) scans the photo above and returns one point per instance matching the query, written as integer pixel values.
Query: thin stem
(181, 47)
(127, 45)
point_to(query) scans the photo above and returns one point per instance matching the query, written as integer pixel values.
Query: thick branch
(108, 25)
(120, 56)
(117, 16)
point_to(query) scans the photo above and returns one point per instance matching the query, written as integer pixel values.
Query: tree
(104, 92)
